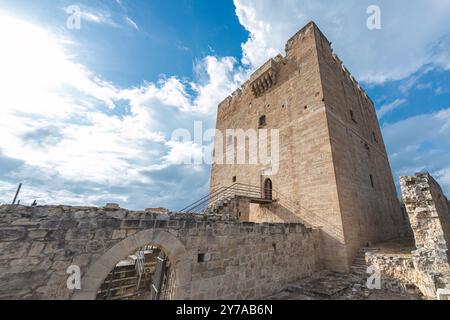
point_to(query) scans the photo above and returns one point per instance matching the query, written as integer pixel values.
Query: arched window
(262, 121)
(268, 189)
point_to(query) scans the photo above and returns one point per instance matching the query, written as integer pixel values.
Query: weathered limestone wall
(370, 210)
(240, 260)
(305, 181)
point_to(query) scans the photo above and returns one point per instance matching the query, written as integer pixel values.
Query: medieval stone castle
(329, 209)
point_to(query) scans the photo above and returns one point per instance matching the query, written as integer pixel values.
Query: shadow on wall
(282, 211)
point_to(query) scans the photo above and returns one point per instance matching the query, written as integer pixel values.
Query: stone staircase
(359, 275)
(219, 206)
(359, 266)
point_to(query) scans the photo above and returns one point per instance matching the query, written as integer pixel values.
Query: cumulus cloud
(414, 39)
(389, 107)
(66, 127)
(413, 33)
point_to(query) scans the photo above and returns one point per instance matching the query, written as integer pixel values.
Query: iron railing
(224, 194)
(139, 265)
(221, 195)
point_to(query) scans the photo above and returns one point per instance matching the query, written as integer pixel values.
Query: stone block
(12, 233)
(119, 234)
(36, 249)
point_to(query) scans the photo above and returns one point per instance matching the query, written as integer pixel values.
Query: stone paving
(327, 285)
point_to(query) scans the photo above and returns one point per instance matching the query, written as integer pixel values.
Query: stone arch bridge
(238, 260)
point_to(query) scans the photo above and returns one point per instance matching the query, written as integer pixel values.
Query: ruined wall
(429, 214)
(238, 260)
(333, 168)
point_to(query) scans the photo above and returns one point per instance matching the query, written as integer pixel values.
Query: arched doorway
(268, 189)
(173, 249)
(146, 274)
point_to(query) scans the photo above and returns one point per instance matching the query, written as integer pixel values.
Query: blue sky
(86, 116)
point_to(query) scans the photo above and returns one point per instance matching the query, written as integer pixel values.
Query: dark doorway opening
(268, 189)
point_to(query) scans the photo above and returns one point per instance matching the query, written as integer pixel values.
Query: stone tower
(332, 171)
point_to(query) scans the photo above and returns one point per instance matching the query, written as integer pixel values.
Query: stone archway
(173, 248)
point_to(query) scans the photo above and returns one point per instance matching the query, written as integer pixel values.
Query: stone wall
(429, 216)
(213, 257)
(304, 181)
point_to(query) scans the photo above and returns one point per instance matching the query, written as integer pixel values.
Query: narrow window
(371, 181)
(374, 137)
(352, 116)
(201, 258)
(229, 140)
(262, 121)
(234, 179)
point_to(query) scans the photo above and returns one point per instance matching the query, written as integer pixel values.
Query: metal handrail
(139, 265)
(206, 199)
(201, 199)
(223, 193)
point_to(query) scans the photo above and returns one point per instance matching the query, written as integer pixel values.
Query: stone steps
(359, 266)
(220, 206)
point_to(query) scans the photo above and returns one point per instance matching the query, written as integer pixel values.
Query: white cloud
(64, 122)
(389, 107)
(441, 90)
(183, 152)
(443, 176)
(421, 143)
(413, 34)
(425, 86)
(76, 131)
(221, 79)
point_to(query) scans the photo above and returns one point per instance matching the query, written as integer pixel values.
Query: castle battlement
(266, 76)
